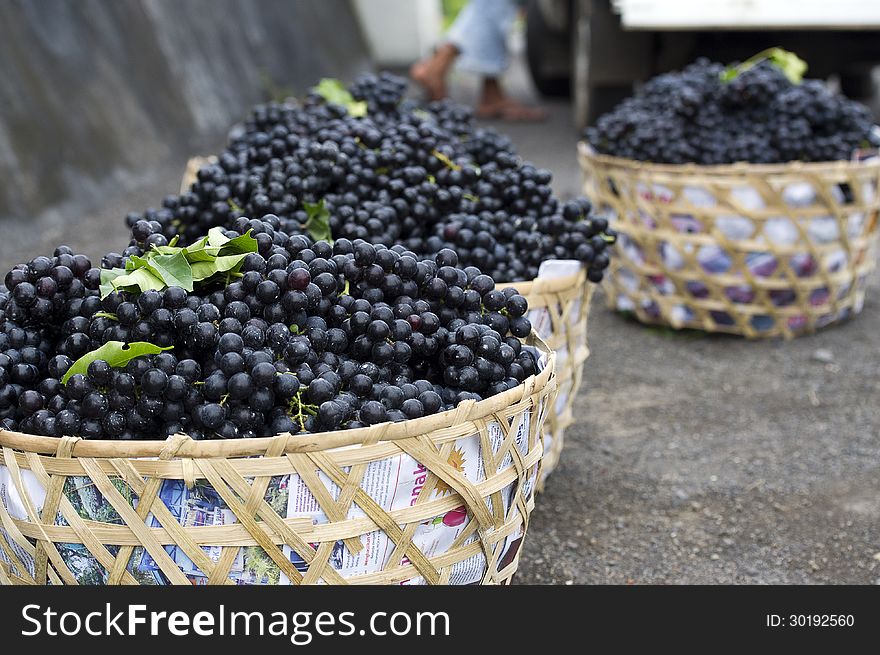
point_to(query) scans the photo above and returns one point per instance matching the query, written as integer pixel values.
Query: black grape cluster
(759, 116)
(307, 337)
(399, 174)
(50, 289)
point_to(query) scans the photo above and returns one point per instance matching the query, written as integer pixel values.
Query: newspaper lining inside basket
(542, 324)
(393, 483)
(774, 240)
(779, 230)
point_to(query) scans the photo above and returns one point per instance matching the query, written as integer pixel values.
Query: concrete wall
(95, 93)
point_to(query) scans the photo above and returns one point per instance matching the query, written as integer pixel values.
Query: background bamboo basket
(443, 499)
(558, 309)
(754, 250)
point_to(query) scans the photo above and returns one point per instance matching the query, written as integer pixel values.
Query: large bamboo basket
(190, 173)
(755, 250)
(184, 512)
(559, 310)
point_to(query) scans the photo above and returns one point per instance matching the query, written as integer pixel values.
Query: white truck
(597, 49)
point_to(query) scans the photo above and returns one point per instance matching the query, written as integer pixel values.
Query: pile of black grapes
(306, 337)
(759, 116)
(423, 177)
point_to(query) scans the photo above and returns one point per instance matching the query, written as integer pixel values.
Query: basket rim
(586, 151)
(313, 442)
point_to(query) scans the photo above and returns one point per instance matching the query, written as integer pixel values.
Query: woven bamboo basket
(193, 164)
(754, 250)
(443, 499)
(559, 310)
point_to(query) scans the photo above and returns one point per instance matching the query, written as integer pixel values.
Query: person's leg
(478, 40)
(478, 37)
(431, 72)
(480, 33)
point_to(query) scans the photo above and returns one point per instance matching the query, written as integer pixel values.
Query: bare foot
(430, 74)
(508, 109)
(433, 84)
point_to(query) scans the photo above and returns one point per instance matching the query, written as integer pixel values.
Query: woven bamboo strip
(176, 535)
(566, 300)
(47, 550)
(813, 225)
(336, 511)
(236, 535)
(95, 547)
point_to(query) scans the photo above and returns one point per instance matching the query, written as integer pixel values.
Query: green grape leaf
(204, 270)
(206, 254)
(240, 245)
(197, 245)
(107, 277)
(174, 270)
(318, 223)
(729, 73)
(200, 251)
(792, 66)
(358, 109)
(115, 353)
(170, 266)
(162, 250)
(229, 262)
(216, 237)
(334, 92)
(138, 280)
(218, 243)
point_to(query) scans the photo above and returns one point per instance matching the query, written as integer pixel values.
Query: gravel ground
(694, 459)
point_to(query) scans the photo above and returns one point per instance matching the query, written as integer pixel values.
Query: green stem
(754, 60)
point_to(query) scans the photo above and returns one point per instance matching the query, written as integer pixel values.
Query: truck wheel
(546, 54)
